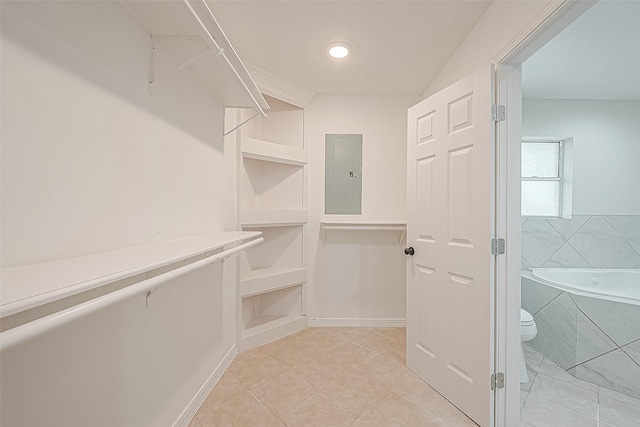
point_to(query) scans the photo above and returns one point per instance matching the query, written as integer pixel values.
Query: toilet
(528, 332)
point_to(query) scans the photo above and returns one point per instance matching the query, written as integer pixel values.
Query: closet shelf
(268, 151)
(270, 279)
(329, 225)
(179, 23)
(273, 218)
(265, 329)
(30, 286)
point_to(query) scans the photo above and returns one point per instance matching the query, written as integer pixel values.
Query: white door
(450, 224)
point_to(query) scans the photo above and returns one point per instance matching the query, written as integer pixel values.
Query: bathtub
(588, 323)
(613, 285)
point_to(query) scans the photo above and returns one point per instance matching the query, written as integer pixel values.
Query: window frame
(565, 175)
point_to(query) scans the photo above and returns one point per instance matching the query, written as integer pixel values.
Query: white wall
(90, 161)
(606, 149)
(497, 28)
(360, 274)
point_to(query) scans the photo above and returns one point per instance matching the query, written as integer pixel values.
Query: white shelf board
(30, 286)
(265, 329)
(224, 75)
(384, 225)
(268, 151)
(273, 218)
(270, 279)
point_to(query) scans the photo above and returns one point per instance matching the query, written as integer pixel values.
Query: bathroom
(583, 365)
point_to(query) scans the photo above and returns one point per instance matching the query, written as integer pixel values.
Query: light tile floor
(327, 377)
(554, 398)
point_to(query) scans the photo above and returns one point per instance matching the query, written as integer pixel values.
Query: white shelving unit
(32, 286)
(385, 225)
(188, 31)
(271, 170)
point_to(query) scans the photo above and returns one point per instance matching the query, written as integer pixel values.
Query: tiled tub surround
(585, 241)
(591, 338)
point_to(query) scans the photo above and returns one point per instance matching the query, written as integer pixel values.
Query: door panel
(450, 201)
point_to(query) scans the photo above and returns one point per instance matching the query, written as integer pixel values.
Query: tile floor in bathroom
(554, 398)
(327, 377)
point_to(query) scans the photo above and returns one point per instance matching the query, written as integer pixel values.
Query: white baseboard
(190, 411)
(356, 322)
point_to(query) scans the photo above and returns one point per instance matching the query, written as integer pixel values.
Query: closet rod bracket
(155, 80)
(242, 123)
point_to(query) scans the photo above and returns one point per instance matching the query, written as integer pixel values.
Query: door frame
(552, 20)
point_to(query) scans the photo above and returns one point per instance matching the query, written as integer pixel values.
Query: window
(547, 169)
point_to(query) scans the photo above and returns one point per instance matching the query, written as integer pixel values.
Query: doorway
(510, 224)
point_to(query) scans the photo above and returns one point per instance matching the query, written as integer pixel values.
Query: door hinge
(498, 246)
(498, 113)
(497, 380)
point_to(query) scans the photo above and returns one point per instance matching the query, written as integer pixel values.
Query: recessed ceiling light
(338, 50)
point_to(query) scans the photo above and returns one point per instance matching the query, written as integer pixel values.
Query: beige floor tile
(254, 370)
(452, 416)
(224, 392)
(292, 352)
(398, 334)
(421, 394)
(318, 410)
(309, 332)
(326, 377)
(283, 392)
(195, 422)
(320, 374)
(244, 410)
(355, 393)
(383, 370)
(397, 412)
(323, 342)
(376, 341)
(349, 333)
(347, 356)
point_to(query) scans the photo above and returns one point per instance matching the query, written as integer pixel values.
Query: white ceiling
(596, 57)
(398, 46)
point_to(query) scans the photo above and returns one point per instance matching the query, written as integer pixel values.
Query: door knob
(409, 251)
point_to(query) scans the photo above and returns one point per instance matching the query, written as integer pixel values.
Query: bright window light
(339, 51)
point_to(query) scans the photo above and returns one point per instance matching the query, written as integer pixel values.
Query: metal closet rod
(22, 333)
(220, 51)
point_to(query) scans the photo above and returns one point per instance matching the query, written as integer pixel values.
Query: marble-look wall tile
(625, 225)
(524, 265)
(558, 322)
(625, 258)
(620, 321)
(566, 257)
(532, 361)
(587, 241)
(614, 370)
(591, 341)
(537, 295)
(551, 369)
(634, 242)
(540, 344)
(568, 227)
(633, 351)
(596, 241)
(539, 241)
